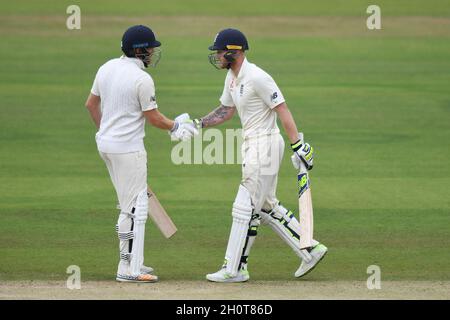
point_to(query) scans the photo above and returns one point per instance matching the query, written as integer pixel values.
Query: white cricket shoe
(142, 278)
(223, 276)
(146, 270)
(317, 254)
(124, 267)
(123, 274)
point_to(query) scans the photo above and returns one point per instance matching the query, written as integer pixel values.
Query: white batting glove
(183, 129)
(296, 162)
(303, 154)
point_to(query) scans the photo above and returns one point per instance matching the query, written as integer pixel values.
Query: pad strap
(124, 236)
(125, 256)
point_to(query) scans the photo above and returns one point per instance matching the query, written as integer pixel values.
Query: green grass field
(374, 104)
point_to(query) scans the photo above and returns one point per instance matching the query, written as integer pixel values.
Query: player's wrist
(296, 145)
(175, 126)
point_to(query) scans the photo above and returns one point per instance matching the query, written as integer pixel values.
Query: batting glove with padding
(183, 129)
(303, 153)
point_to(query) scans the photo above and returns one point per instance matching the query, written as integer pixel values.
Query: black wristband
(175, 127)
(297, 145)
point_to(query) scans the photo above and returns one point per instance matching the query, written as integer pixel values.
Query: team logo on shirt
(152, 98)
(274, 96)
(241, 90)
(232, 85)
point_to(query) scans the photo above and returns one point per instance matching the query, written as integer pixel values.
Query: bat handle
(302, 168)
(302, 165)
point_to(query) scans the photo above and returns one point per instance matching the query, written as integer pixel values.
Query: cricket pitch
(201, 290)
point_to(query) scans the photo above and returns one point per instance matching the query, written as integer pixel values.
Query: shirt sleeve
(226, 99)
(95, 90)
(267, 90)
(146, 93)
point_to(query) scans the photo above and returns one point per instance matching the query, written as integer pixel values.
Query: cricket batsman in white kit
(122, 98)
(255, 96)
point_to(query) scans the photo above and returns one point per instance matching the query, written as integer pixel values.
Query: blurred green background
(374, 104)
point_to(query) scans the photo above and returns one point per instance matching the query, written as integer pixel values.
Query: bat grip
(302, 165)
(302, 168)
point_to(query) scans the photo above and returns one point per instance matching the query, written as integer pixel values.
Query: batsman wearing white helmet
(122, 98)
(257, 99)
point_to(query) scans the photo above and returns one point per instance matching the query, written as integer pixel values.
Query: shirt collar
(136, 61)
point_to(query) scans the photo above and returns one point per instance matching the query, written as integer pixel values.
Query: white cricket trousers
(261, 160)
(128, 172)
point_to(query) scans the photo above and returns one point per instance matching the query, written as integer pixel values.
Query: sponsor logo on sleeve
(274, 97)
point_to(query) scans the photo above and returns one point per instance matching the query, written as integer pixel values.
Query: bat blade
(306, 210)
(305, 206)
(160, 216)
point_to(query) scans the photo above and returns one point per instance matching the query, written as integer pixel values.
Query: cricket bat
(305, 205)
(159, 215)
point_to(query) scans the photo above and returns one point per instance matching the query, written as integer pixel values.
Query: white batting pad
(125, 234)
(284, 223)
(140, 218)
(252, 232)
(242, 212)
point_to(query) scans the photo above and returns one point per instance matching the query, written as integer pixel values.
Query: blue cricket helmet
(138, 37)
(230, 39)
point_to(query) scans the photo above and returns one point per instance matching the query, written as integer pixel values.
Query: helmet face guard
(149, 58)
(215, 60)
(229, 56)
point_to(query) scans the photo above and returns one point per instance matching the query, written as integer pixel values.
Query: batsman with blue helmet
(122, 98)
(254, 95)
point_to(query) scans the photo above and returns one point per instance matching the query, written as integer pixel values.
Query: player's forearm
(93, 106)
(291, 130)
(287, 120)
(96, 116)
(218, 116)
(158, 120)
